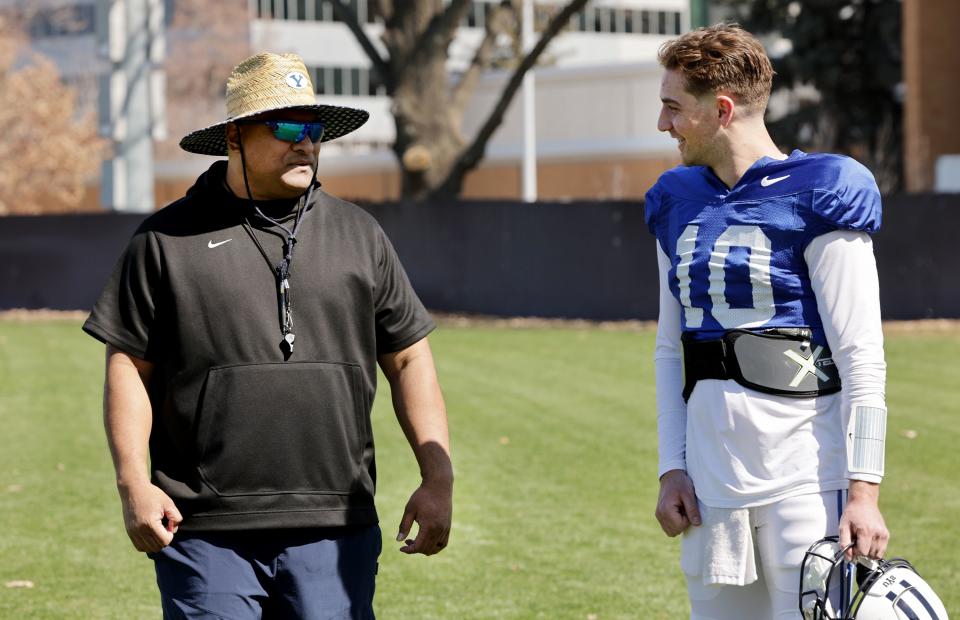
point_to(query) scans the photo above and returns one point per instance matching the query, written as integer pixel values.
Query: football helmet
(882, 590)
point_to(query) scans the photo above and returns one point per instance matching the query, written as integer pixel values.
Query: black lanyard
(282, 271)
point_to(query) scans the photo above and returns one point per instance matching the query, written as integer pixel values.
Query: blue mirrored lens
(290, 131)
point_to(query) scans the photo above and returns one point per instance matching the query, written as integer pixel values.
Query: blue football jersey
(736, 254)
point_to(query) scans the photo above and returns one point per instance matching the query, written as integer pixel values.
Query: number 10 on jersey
(758, 289)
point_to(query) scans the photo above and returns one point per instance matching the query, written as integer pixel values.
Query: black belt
(777, 361)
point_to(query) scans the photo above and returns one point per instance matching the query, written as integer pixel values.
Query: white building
(601, 142)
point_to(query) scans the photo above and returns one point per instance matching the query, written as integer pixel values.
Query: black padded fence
(590, 260)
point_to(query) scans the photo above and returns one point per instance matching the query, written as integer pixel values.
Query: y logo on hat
(296, 80)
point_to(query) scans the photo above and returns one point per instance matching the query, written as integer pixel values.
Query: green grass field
(554, 439)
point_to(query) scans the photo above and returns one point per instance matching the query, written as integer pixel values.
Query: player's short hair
(721, 58)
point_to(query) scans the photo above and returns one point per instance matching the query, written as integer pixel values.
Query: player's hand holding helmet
(884, 590)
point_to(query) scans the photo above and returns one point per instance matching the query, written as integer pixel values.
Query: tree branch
(472, 155)
(481, 59)
(394, 13)
(384, 7)
(439, 31)
(348, 17)
(399, 35)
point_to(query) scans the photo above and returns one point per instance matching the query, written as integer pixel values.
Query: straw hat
(267, 82)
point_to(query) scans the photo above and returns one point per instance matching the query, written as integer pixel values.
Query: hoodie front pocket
(282, 428)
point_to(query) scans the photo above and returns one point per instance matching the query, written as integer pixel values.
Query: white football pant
(782, 532)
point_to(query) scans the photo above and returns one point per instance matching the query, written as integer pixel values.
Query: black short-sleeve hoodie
(245, 436)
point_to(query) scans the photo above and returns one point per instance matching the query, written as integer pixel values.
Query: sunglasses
(292, 131)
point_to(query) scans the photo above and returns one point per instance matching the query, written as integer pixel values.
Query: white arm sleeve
(671, 409)
(843, 274)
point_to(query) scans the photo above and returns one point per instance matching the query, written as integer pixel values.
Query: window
(374, 85)
(645, 22)
(347, 81)
(337, 81)
(63, 21)
(373, 13)
(353, 5)
(601, 19)
(583, 18)
(309, 11)
(296, 9)
(322, 11)
(616, 24)
(355, 86)
(477, 16)
(469, 19)
(328, 80)
(316, 76)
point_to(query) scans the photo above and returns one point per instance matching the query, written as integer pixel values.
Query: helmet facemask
(884, 590)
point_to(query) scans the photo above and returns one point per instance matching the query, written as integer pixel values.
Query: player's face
(277, 169)
(693, 121)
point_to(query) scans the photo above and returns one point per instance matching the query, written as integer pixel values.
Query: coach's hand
(431, 506)
(862, 522)
(150, 516)
(677, 506)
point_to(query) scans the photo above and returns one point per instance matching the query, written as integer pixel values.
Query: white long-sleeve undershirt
(843, 276)
(668, 365)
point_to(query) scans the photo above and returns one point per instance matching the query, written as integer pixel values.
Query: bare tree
(205, 40)
(49, 148)
(428, 107)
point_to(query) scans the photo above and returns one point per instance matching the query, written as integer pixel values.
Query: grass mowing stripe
(554, 439)
(60, 514)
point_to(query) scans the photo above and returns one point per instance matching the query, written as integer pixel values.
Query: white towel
(721, 549)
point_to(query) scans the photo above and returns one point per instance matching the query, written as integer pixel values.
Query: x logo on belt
(807, 365)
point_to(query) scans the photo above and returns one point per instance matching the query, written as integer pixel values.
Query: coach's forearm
(127, 416)
(420, 410)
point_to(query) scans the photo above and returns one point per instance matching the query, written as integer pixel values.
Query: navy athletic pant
(308, 574)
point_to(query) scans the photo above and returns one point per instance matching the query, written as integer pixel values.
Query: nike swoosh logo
(211, 244)
(767, 181)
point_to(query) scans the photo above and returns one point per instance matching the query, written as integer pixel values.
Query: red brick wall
(932, 74)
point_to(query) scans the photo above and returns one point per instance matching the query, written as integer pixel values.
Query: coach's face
(693, 121)
(275, 169)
